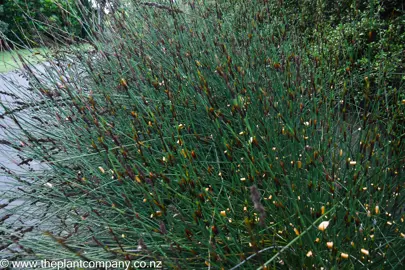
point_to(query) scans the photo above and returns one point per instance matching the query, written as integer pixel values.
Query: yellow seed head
(323, 225)
(323, 210)
(123, 82)
(101, 169)
(377, 209)
(344, 255)
(309, 254)
(329, 245)
(365, 251)
(223, 213)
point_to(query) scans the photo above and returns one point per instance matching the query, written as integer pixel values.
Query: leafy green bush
(210, 136)
(3, 25)
(37, 21)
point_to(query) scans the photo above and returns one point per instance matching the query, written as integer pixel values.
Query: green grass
(212, 140)
(9, 61)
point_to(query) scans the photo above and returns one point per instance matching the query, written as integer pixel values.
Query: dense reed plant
(208, 135)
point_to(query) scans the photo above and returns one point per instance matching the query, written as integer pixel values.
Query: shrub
(43, 21)
(209, 136)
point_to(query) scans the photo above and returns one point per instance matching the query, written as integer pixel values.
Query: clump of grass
(207, 136)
